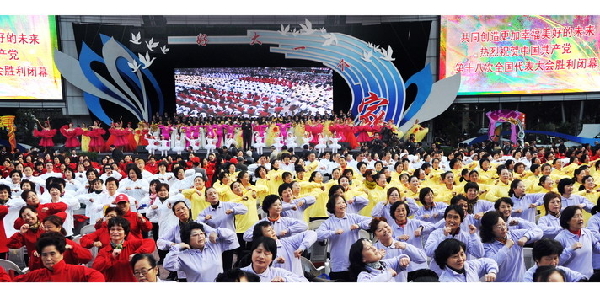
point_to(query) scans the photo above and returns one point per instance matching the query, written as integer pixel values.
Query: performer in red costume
(72, 134)
(95, 134)
(118, 136)
(131, 144)
(45, 133)
(74, 253)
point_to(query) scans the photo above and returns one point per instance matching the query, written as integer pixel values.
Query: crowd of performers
(193, 134)
(387, 215)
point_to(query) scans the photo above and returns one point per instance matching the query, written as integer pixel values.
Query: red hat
(195, 159)
(121, 198)
(233, 160)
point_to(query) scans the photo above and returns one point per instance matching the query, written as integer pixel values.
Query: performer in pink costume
(220, 134)
(229, 129)
(191, 133)
(165, 131)
(284, 128)
(211, 129)
(260, 129)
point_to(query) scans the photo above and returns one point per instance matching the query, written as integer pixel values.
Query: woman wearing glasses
(506, 247)
(144, 268)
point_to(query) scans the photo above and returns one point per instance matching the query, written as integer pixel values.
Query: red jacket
(4, 277)
(118, 269)
(137, 225)
(152, 168)
(63, 272)
(28, 239)
(77, 254)
(101, 234)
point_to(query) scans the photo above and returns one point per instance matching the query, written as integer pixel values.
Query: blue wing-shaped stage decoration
(116, 89)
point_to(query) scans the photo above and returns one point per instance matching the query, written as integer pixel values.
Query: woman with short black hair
(144, 268)
(506, 246)
(550, 223)
(367, 263)
(579, 242)
(283, 226)
(199, 255)
(51, 248)
(549, 274)
(341, 229)
(450, 256)
(392, 247)
(454, 216)
(262, 254)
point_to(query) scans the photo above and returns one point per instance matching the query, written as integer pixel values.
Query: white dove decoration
(323, 30)
(151, 44)
(307, 27)
(145, 60)
(367, 56)
(387, 55)
(284, 30)
(330, 39)
(136, 39)
(134, 66)
(295, 32)
(374, 47)
(164, 49)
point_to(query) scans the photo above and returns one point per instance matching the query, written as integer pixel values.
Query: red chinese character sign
(371, 110)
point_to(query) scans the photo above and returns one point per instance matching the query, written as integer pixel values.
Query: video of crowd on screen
(253, 91)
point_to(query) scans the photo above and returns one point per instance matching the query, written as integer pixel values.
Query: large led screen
(521, 54)
(27, 69)
(254, 91)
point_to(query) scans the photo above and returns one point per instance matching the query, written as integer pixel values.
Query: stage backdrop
(129, 70)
